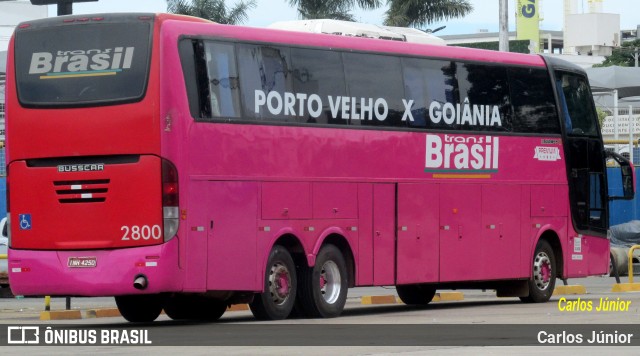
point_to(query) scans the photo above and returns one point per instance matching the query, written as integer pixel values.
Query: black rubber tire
(416, 294)
(143, 308)
(266, 305)
(612, 265)
(194, 307)
(311, 294)
(539, 294)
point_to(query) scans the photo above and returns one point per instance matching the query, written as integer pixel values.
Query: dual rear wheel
(318, 291)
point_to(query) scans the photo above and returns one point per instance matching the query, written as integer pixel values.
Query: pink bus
(184, 165)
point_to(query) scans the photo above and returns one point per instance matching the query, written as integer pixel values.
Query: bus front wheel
(323, 288)
(543, 279)
(278, 298)
(141, 308)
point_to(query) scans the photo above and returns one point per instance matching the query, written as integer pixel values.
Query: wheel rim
(279, 283)
(542, 271)
(330, 282)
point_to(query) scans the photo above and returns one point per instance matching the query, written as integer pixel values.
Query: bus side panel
(335, 200)
(576, 255)
(501, 230)
(232, 213)
(462, 255)
(418, 243)
(286, 200)
(364, 263)
(194, 242)
(597, 255)
(527, 232)
(384, 234)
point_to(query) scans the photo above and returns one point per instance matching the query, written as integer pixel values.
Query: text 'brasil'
(93, 62)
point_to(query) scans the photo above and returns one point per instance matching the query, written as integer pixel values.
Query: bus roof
(348, 43)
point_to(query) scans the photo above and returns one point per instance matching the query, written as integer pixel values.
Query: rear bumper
(46, 272)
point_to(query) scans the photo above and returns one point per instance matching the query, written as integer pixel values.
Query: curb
(102, 313)
(626, 287)
(392, 299)
(448, 296)
(238, 307)
(378, 299)
(61, 315)
(570, 290)
(113, 312)
(105, 313)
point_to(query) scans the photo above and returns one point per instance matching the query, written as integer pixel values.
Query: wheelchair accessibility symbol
(25, 221)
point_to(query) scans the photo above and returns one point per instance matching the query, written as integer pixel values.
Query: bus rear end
(93, 206)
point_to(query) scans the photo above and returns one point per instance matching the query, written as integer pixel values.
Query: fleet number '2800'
(144, 232)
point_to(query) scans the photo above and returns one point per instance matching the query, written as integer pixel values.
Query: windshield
(94, 63)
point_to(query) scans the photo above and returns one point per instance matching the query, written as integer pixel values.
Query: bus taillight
(170, 211)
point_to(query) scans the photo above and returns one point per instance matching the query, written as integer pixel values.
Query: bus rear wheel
(323, 288)
(543, 279)
(193, 307)
(278, 298)
(141, 308)
(416, 294)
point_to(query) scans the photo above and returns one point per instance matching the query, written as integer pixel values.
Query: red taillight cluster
(170, 199)
(169, 184)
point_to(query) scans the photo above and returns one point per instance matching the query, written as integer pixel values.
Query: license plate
(82, 262)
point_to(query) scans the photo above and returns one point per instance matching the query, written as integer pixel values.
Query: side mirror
(628, 176)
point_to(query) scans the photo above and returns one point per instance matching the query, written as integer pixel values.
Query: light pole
(503, 45)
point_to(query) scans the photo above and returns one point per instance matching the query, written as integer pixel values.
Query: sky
(484, 16)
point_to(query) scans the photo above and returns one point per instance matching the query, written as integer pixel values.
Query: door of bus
(586, 173)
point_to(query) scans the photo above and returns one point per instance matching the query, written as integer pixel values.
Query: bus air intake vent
(82, 191)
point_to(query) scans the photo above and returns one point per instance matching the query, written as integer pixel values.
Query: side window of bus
(317, 75)
(266, 82)
(224, 94)
(375, 83)
(428, 81)
(575, 98)
(484, 87)
(533, 101)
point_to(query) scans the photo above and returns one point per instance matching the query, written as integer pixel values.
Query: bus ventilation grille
(82, 191)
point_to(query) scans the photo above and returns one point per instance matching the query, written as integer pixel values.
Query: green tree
(213, 10)
(331, 9)
(622, 56)
(417, 13)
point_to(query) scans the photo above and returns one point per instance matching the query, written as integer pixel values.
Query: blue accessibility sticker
(25, 221)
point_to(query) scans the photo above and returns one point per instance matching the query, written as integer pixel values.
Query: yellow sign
(528, 22)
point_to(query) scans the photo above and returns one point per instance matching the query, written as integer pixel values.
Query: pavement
(33, 308)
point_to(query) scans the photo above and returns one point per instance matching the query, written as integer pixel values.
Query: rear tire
(143, 308)
(416, 294)
(543, 278)
(280, 285)
(194, 307)
(323, 288)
